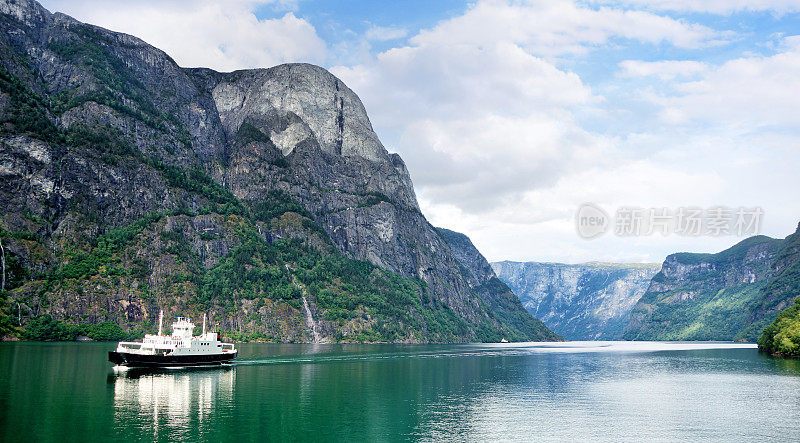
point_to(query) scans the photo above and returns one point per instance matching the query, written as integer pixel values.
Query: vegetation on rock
(8, 321)
(26, 112)
(782, 337)
(45, 328)
(731, 295)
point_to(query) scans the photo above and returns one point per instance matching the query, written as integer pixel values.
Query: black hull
(160, 361)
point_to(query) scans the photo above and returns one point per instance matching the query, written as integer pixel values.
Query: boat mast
(160, 319)
(204, 324)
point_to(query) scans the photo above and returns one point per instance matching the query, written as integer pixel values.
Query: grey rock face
(26, 11)
(590, 301)
(492, 291)
(325, 109)
(477, 269)
(304, 108)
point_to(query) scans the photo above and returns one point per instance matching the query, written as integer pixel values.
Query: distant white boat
(179, 349)
(503, 341)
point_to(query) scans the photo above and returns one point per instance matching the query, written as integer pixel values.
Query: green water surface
(530, 392)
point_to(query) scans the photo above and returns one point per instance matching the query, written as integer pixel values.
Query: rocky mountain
(730, 295)
(482, 279)
(260, 197)
(589, 301)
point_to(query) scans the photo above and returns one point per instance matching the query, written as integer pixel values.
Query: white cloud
(557, 27)
(745, 93)
(691, 170)
(479, 116)
(485, 162)
(219, 35)
(664, 70)
(454, 81)
(539, 223)
(475, 125)
(385, 33)
(712, 6)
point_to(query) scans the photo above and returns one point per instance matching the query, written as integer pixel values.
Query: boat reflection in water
(170, 402)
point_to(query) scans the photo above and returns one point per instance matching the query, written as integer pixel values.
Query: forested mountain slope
(258, 197)
(730, 295)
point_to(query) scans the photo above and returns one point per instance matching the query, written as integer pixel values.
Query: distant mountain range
(589, 301)
(730, 295)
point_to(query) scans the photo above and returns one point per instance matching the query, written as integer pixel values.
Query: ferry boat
(179, 349)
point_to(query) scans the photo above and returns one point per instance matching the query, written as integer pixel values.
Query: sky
(510, 115)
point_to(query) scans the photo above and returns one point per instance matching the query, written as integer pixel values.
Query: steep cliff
(505, 304)
(590, 301)
(730, 295)
(262, 197)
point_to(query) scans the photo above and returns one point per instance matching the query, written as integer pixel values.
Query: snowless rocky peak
(304, 102)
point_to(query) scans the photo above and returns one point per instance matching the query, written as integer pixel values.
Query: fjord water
(534, 391)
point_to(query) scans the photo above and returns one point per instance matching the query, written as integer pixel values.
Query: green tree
(46, 328)
(8, 325)
(782, 337)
